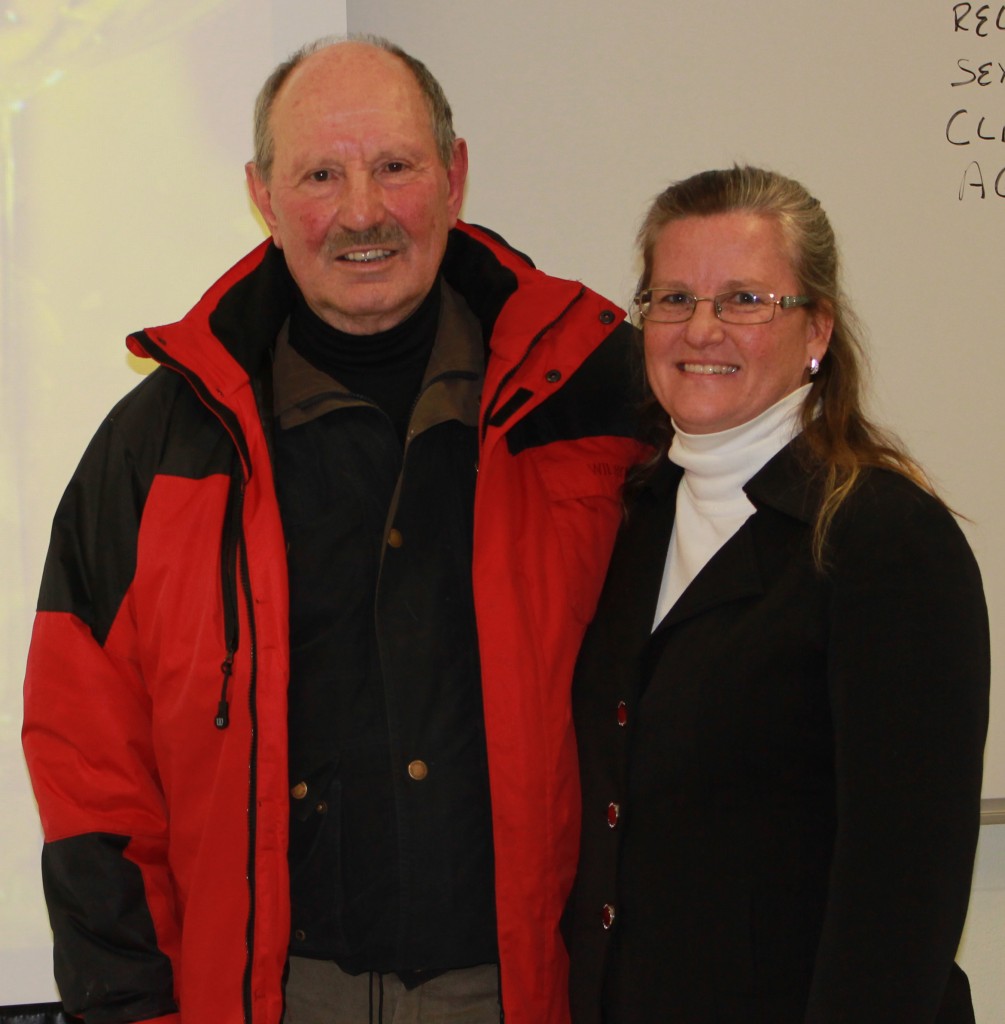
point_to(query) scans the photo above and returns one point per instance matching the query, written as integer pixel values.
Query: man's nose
(361, 204)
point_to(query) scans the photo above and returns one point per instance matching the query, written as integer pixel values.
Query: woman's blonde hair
(839, 437)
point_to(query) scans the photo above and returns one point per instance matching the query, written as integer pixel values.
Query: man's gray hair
(440, 114)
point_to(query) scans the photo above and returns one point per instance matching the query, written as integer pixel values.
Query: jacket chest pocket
(582, 483)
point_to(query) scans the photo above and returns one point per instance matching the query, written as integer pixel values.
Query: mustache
(377, 237)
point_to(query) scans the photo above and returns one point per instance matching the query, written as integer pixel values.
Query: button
(394, 538)
(299, 791)
(607, 317)
(613, 814)
(418, 770)
(300, 935)
(321, 807)
(622, 713)
(607, 915)
(553, 376)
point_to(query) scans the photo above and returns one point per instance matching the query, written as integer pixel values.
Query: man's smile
(367, 256)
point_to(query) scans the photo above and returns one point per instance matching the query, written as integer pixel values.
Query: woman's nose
(704, 327)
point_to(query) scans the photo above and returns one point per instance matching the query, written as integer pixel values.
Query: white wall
(983, 948)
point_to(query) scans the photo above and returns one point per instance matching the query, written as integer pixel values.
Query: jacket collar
(789, 482)
(450, 386)
(536, 344)
(246, 308)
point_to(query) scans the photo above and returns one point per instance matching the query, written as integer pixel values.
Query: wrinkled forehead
(347, 86)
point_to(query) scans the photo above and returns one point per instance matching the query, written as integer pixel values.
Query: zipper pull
(222, 719)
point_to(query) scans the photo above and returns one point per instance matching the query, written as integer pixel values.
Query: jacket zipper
(252, 778)
(234, 557)
(229, 546)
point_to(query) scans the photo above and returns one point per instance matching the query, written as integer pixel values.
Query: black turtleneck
(386, 367)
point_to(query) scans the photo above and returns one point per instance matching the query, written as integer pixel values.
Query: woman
(782, 701)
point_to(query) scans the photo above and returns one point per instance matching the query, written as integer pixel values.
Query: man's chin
(367, 316)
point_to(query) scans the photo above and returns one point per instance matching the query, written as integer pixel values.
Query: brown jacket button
(394, 538)
(299, 791)
(418, 770)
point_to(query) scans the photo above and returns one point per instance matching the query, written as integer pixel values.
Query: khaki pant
(320, 992)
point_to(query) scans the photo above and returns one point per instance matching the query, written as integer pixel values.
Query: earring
(814, 366)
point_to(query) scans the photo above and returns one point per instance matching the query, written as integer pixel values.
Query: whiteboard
(578, 113)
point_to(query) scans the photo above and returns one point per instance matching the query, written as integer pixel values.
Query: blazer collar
(789, 483)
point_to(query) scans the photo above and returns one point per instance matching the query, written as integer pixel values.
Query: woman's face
(709, 375)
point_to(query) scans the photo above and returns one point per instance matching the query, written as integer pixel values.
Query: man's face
(358, 200)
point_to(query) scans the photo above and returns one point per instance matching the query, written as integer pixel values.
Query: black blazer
(781, 785)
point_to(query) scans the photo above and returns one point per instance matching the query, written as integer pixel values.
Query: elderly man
(297, 697)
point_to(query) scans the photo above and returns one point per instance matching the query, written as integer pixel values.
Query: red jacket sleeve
(88, 742)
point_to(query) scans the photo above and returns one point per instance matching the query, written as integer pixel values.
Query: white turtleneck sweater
(711, 505)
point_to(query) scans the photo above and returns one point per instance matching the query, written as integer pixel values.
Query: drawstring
(380, 997)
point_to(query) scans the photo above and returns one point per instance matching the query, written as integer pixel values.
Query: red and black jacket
(155, 701)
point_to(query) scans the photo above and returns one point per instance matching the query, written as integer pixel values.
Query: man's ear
(457, 175)
(261, 196)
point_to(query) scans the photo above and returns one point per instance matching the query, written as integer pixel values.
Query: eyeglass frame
(784, 301)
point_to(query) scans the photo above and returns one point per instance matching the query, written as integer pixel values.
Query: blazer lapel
(734, 571)
(730, 574)
(628, 604)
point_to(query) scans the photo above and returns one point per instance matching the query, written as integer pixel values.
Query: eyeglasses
(671, 306)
